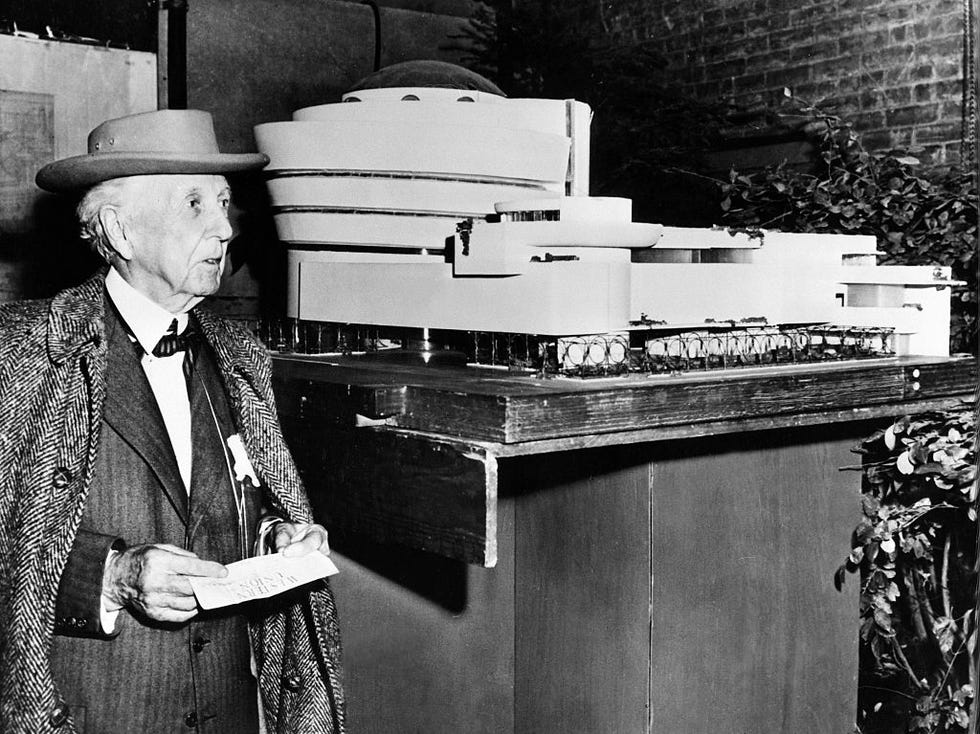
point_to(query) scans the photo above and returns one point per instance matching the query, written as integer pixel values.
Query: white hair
(107, 193)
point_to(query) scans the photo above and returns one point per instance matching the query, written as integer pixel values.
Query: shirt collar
(145, 318)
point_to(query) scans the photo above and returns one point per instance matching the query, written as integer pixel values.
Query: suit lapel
(245, 369)
(131, 409)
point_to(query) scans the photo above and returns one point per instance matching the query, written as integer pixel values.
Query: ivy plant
(915, 552)
(918, 218)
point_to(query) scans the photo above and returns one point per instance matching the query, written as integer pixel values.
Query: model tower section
(386, 175)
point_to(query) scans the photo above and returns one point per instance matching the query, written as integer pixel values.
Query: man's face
(179, 230)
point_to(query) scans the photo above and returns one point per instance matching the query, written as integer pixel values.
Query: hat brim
(83, 171)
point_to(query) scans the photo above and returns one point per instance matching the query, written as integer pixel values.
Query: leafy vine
(915, 552)
(918, 219)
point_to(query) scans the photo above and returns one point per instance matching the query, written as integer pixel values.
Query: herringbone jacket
(52, 388)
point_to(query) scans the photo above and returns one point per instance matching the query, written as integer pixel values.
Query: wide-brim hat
(165, 141)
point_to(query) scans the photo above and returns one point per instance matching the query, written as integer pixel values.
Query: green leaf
(892, 592)
(946, 631)
(964, 694)
(960, 718)
(870, 505)
(884, 621)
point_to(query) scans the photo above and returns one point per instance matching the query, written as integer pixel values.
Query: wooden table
(631, 554)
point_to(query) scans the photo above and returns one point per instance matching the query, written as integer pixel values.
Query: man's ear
(111, 221)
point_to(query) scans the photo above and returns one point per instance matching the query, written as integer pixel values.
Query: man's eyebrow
(198, 191)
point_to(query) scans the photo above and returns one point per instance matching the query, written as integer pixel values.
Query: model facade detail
(469, 212)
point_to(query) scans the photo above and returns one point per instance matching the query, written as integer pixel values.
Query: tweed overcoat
(52, 390)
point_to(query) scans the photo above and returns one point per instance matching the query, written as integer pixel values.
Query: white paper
(242, 466)
(260, 577)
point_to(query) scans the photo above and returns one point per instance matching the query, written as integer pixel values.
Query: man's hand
(298, 539)
(152, 581)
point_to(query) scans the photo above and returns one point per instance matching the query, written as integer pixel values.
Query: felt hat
(164, 141)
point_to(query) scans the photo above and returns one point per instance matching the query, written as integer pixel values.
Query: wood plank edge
(490, 471)
(696, 430)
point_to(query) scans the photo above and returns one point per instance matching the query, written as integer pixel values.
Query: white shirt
(149, 321)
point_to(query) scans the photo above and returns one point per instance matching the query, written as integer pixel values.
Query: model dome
(427, 73)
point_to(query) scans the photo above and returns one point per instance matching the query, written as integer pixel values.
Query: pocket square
(241, 465)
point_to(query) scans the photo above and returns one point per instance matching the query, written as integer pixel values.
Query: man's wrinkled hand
(151, 580)
(298, 539)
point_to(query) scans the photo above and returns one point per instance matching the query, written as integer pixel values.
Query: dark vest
(153, 677)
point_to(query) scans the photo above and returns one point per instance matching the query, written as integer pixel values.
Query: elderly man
(139, 448)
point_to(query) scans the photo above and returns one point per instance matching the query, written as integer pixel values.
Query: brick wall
(892, 67)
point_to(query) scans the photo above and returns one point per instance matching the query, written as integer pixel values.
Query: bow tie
(172, 342)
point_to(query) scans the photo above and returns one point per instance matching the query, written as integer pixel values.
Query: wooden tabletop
(518, 413)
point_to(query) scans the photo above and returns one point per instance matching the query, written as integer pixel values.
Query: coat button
(293, 682)
(61, 477)
(58, 714)
(191, 719)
